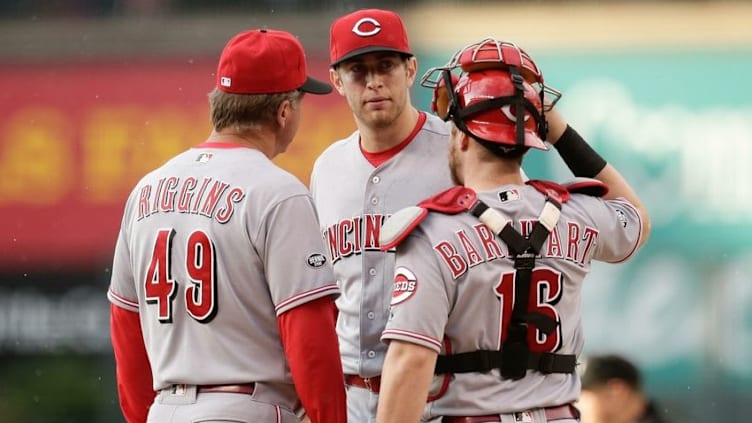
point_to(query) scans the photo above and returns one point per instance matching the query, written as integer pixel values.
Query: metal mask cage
(487, 53)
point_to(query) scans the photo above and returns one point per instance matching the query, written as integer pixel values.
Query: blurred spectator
(612, 392)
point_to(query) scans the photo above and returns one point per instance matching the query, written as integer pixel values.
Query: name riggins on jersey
(207, 197)
(482, 245)
(354, 235)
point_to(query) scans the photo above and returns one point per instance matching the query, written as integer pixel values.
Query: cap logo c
(509, 113)
(359, 31)
(225, 81)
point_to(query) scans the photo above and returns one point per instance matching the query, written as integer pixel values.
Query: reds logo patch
(405, 285)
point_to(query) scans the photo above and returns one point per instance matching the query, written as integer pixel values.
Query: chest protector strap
(514, 358)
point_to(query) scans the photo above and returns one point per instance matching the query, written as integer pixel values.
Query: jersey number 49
(161, 289)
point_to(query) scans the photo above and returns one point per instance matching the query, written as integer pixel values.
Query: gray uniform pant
(186, 406)
(361, 405)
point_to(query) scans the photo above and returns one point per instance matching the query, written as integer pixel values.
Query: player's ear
(336, 79)
(284, 110)
(464, 140)
(461, 139)
(411, 66)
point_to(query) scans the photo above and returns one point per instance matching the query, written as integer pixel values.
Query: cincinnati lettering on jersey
(467, 250)
(206, 197)
(354, 235)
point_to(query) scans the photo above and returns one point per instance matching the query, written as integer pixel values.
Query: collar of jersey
(376, 159)
(213, 144)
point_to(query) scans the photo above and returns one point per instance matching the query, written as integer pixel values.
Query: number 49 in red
(161, 288)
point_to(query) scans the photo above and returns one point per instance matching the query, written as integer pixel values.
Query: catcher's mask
(497, 97)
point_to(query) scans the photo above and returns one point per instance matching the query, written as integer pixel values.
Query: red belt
(567, 411)
(371, 383)
(246, 388)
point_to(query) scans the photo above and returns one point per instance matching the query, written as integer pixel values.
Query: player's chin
(379, 118)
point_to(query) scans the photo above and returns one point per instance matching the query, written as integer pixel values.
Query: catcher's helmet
(493, 106)
(495, 54)
(497, 97)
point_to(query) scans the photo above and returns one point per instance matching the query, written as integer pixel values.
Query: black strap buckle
(524, 261)
(546, 363)
(517, 80)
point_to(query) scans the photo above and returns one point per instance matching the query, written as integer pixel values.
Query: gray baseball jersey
(353, 200)
(454, 286)
(214, 245)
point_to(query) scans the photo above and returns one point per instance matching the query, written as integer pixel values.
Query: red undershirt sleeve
(133, 371)
(310, 342)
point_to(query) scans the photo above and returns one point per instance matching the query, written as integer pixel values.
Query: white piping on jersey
(330, 287)
(122, 301)
(627, 204)
(413, 335)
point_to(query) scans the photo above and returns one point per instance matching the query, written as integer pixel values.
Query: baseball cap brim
(369, 49)
(314, 86)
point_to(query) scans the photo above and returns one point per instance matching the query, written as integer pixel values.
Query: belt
(567, 411)
(246, 388)
(371, 383)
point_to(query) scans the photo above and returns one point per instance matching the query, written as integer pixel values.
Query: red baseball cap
(366, 31)
(265, 61)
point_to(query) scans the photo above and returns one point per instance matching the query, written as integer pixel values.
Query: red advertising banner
(75, 138)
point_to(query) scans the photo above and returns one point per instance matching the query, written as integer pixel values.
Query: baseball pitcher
(395, 158)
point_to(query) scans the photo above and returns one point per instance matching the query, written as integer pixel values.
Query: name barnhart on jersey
(466, 250)
(354, 235)
(207, 197)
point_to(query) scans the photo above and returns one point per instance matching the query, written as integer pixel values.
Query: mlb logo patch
(523, 417)
(225, 81)
(204, 157)
(178, 389)
(509, 195)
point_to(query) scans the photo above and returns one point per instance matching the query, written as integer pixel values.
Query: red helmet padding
(494, 125)
(441, 97)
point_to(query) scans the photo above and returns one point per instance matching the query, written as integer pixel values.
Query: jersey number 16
(545, 291)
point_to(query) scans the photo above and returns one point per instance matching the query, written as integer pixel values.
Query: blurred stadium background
(94, 93)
